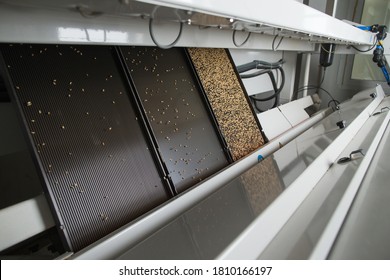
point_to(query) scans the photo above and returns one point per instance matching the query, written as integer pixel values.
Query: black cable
(254, 100)
(270, 67)
(243, 43)
(325, 50)
(311, 87)
(277, 95)
(164, 46)
(275, 64)
(323, 75)
(259, 64)
(260, 110)
(336, 103)
(255, 74)
(265, 68)
(273, 81)
(255, 104)
(277, 90)
(273, 42)
(373, 46)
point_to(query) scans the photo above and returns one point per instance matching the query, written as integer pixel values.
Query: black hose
(276, 89)
(259, 64)
(266, 68)
(255, 74)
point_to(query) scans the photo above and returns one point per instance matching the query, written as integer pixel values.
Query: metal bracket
(382, 110)
(353, 155)
(341, 124)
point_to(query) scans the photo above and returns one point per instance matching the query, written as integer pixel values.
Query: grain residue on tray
(174, 107)
(228, 100)
(262, 184)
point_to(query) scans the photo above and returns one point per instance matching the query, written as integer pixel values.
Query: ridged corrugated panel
(178, 113)
(228, 100)
(99, 169)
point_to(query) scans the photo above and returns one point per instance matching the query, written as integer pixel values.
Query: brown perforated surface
(228, 100)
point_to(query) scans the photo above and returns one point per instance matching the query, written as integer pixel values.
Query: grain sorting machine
(130, 130)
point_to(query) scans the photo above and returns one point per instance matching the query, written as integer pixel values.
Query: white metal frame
(59, 22)
(37, 25)
(301, 233)
(291, 15)
(329, 235)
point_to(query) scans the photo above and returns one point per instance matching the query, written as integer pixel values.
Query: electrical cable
(325, 50)
(371, 48)
(275, 64)
(259, 64)
(336, 103)
(323, 75)
(243, 43)
(255, 104)
(255, 99)
(276, 89)
(311, 87)
(273, 42)
(155, 41)
(265, 68)
(276, 94)
(273, 81)
(255, 74)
